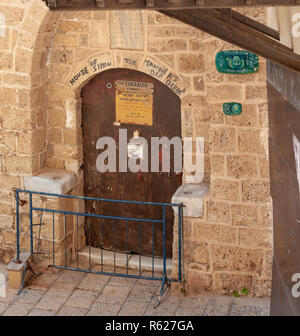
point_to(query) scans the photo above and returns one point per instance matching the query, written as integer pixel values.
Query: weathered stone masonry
(45, 60)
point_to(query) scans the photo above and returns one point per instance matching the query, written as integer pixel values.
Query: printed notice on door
(134, 102)
(135, 151)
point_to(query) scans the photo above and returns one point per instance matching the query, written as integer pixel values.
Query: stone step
(121, 259)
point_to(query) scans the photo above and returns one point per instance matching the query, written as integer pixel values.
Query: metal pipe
(18, 227)
(65, 241)
(140, 249)
(164, 240)
(77, 248)
(97, 199)
(179, 243)
(101, 223)
(98, 216)
(53, 243)
(182, 243)
(31, 223)
(127, 260)
(109, 273)
(153, 249)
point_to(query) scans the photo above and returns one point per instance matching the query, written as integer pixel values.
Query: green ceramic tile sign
(232, 108)
(237, 62)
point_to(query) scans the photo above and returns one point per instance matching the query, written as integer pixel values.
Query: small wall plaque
(237, 62)
(232, 108)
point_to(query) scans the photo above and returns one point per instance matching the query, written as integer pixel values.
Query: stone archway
(31, 49)
(69, 90)
(24, 41)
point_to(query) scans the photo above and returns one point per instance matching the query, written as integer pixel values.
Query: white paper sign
(135, 151)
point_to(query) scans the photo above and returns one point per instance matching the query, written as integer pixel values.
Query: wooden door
(284, 144)
(99, 120)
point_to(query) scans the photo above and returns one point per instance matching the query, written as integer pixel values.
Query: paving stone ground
(69, 293)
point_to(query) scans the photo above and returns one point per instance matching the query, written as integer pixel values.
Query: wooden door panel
(284, 121)
(98, 120)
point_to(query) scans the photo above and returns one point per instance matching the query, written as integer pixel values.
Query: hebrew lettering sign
(134, 102)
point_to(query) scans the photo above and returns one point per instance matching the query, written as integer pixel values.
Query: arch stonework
(22, 100)
(25, 84)
(71, 87)
(146, 63)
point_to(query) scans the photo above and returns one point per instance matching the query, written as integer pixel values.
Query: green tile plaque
(237, 62)
(232, 108)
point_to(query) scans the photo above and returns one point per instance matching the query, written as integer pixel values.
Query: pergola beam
(256, 25)
(161, 4)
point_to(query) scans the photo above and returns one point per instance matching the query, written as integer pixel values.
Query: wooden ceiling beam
(161, 4)
(214, 22)
(256, 25)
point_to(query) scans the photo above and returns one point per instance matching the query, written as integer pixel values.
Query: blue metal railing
(102, 217)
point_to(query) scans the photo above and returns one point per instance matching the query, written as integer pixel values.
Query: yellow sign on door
(134, 102)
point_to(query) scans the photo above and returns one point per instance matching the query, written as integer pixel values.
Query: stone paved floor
(69, 293)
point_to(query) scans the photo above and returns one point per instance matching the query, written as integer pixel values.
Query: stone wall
(45, 60)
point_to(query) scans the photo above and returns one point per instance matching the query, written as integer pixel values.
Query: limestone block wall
(23, 50)
(45, 60)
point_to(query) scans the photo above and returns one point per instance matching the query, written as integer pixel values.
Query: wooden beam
(161, 4)
(214, 22)
(256, 25)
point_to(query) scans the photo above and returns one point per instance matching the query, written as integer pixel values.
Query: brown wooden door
(284, 144)
(98, 120)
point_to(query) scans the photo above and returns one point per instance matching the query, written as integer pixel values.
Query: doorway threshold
(119, 259)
